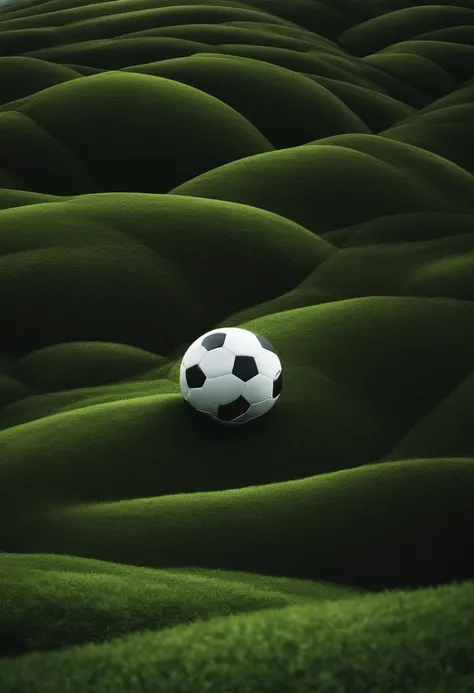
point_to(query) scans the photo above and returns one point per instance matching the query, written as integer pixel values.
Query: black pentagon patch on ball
(228, 412)
(245, 368)
(195, 377)
(213, 341)
(264, 342)
(278, 385)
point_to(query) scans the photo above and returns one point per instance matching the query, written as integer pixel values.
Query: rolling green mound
(9, 198)
(115, 53)
(151, 599)
(457, 60)
(446, 132)
(378, 111)
(298, 647)
(139, 259)
(455, 34)
(378, 177)
(459, 97)
(118, 157)
(288, 109)
(402, 25)
(237, 32)
(21, 76)
(416, 70)
(301, 169)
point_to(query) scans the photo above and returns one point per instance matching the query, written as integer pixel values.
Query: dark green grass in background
(301, 169)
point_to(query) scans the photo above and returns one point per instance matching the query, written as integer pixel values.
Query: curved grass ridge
(414, 512)
(373, 641)
(300, 169)
(53, 601)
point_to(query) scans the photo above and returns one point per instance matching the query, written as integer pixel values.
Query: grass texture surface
(300, 169)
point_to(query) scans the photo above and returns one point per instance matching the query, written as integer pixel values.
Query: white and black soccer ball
(231, 374)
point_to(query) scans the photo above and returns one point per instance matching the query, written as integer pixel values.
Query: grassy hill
(300, 169)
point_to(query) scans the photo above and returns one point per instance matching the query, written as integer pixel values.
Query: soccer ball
(231, 374)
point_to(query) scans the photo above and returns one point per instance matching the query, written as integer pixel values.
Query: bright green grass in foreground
(422, 638)
(53, 601)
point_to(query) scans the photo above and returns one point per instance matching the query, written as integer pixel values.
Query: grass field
(300, 169)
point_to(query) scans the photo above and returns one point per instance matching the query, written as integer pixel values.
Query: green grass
(138, 259)
(62, 601)
(413, 512)
(329, 646)
(376, 177)
(302, 169)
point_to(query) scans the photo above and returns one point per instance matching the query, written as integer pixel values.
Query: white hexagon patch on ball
(231, 374)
